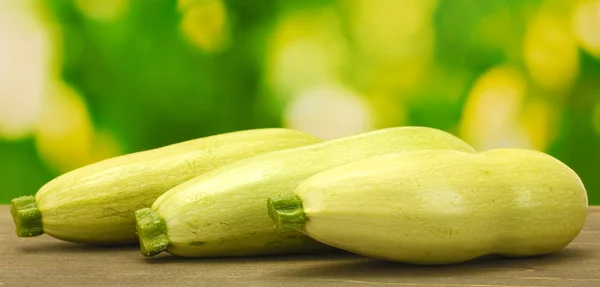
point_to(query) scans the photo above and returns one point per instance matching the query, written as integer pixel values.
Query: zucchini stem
(27, 216)
(152, 232)
(287, 212)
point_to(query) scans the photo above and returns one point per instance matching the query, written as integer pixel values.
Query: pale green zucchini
(96, 203)
(223, 212)
(440, 207)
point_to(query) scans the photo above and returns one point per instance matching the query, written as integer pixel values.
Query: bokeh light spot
(550, 53)
(393, 30)
(539, 121)
(25, 49)
(586, 26)
(490, 114)
(329, 112)
(306, 50)
(65, 137)
(205, 25)
(104, 10)
(394, 41)
(390, 111)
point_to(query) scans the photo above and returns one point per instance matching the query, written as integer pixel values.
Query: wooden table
(44, 261)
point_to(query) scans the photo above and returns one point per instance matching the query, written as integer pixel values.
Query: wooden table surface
(44, 261)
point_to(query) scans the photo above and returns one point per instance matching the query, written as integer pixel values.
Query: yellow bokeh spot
(329, 112)
(64, 134)
(65, 137)
(393, 30)
(306, 50)
(586, 26)
(204, 24)
(25, 61)
(490, 116)
(395, 41)
(103, 10)
(550, 53)
(389, 111)
(539, 120)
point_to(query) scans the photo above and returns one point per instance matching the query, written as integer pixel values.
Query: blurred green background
(84, 80)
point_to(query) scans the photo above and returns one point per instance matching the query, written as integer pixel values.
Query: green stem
(27, 216)
(287, 212)
(152, 232)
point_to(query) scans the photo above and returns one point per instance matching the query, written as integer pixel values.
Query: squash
(95, 204)
(440, 206)
(223, 212)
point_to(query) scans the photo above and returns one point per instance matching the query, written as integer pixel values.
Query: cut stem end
(27, 216)
(287, 212)
(152, 232)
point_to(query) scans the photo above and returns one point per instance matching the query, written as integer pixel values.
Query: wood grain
(44, 261)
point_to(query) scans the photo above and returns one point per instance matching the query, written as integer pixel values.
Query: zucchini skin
(223, 212)
(95, 204)
(444, 207)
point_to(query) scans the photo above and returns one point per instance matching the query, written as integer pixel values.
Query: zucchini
(223, 212)
(95, 204)
(440, 207)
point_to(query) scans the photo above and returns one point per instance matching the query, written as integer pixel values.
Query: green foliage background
(143, 82)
